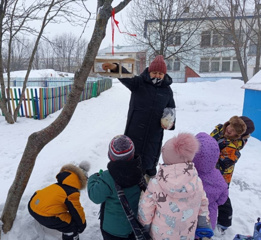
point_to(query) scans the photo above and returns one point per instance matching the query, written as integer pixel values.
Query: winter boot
(70, 236)
(221, 229)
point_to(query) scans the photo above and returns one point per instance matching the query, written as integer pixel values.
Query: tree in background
(66, 47)
(38, 140)
(63, 52)
(255, 40)
(161, 26)
(236, 25)
(16, 20)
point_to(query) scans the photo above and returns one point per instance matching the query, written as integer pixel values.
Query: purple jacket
(213, 182)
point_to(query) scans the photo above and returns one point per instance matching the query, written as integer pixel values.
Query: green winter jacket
(101, 189)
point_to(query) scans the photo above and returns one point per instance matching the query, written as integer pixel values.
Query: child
(214, 184)
(58, 205)
(175, 203)
(231, 137)
(124, 171)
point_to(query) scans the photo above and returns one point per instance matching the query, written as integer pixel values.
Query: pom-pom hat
(158, 65)
(180, 149)
(85, 166)
(121, 148)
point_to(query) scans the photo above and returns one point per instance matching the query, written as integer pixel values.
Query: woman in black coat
(150, 95)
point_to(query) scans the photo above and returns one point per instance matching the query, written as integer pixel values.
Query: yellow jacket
(62, 199)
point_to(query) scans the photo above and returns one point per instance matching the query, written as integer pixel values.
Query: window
(252, 49)
(177, 38)
(173, 64)
(239, 37)
(204, 65)
(225, 64)
(222, 64)
(215, 64)
(228, 38)
(169, 64)
(170, 39)
(216, 39)
(235, 66)
(205, 39)
(174, 39)
(176, 66)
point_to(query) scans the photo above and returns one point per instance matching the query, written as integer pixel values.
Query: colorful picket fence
(38, 103)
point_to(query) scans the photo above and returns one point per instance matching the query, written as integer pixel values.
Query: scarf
(138, 230)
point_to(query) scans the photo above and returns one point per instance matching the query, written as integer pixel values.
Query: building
(208, 51)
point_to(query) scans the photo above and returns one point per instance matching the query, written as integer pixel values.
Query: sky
(200, 107)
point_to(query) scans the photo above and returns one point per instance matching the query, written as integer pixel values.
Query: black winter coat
(144, 116)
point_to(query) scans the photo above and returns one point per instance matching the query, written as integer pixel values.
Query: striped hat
(121, 148)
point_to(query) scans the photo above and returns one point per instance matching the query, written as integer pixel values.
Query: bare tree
(44, 58)
(79, 51)
(256, 36)
(64, 48)
(163, 26)
(38, 140)
(63, 53)
(19, 54)
(236, 25)
(15, 19)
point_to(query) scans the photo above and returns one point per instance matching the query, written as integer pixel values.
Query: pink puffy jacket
(175, 203)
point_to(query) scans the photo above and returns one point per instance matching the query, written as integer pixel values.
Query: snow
(200, 107)
(254, 83)
(39, 74)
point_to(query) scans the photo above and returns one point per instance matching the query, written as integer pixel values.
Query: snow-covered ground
(200, 106)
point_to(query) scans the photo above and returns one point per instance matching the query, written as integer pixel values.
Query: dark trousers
(107, 236)
(225, 212)
(54, 222)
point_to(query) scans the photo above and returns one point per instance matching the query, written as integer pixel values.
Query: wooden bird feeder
(124, 61)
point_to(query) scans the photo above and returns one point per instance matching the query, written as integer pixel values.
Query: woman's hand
(111, 66)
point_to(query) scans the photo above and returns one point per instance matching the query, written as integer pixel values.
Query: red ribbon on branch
(113, 23)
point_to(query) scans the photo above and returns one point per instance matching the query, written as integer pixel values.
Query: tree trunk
(8, 115)
(38, 140)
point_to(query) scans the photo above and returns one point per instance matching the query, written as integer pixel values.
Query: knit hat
(249, 124)
(158, 65)
(85, 166)
(121, 148)
(180, 149)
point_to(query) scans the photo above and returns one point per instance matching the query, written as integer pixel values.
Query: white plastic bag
(168, 118)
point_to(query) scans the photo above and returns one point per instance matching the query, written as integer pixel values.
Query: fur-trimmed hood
(76, 178)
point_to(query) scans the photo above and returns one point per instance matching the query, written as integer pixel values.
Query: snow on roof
(43, 73)
(221, 74)
(112, 57)
(254, 83)
(121, 49)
